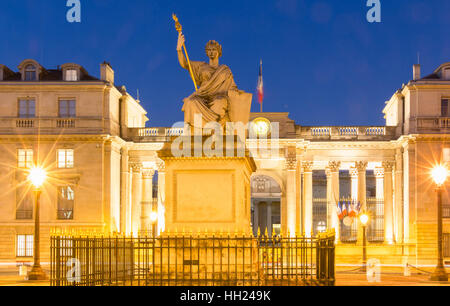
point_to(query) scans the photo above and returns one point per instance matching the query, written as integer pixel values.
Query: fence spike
(266, 232)
(259, 232)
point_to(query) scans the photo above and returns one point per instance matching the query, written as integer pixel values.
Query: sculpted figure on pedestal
(217, 98)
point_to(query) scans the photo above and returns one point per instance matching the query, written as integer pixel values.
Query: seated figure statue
(217, 98)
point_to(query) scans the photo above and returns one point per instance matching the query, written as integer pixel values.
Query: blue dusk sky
(323, 62)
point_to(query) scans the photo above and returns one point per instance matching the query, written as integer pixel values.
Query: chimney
(106, 72)
(416, 72)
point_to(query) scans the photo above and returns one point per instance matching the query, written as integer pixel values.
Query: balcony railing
(344, 132)
(24, 214)
(65, 214)
(433, 123)
(65, 123)
(48, 124)
(446, 211)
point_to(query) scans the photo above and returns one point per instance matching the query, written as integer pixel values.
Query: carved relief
(148, 173)
(136, 167)
(353, 172)
(334, 166)
(307, 166)
(388, 166)
(379, 172)
(361, 165)
(161, 165)
(291, 163)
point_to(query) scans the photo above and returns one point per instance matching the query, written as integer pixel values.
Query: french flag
(339, 211)
(352, 212)
(260, 87)
(344, 210)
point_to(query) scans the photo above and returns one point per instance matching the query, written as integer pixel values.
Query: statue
(217, 97)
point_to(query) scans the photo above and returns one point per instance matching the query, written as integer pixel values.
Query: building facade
(105, 175)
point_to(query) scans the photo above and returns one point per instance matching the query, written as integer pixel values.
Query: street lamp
(439, 175)
(364, 219)
(37, 178)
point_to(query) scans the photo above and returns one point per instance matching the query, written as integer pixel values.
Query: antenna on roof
(418, 58)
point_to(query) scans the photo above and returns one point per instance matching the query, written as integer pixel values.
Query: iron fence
(446, 245)
(193, 260)
(319, 215)
(375, 229)
(446, 211)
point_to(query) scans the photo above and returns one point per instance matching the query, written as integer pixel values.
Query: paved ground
(344, 277)
(360, 279)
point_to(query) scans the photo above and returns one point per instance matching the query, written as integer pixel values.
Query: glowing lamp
(439, 175)
(364, 218)
(153, 216)
(261, 126)
(37, 176)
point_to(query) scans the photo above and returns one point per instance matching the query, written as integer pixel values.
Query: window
(27, 108)
(71, 75)
(66, 198)
(25, 158)
(67, 108)
(65, 158)
(30, 73)
(444, 108)
(24, 246)
(447, 74)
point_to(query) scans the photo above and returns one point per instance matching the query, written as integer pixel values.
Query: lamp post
(364, 218)
(37, 178)
(439, 175)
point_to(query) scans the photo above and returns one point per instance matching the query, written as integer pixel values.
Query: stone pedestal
(207, 192)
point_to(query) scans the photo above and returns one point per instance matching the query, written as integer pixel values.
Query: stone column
(291, 165)
(136, 197)
(298, 218)
(269, 218)
(147, 199)
(256, 217)
(398, 210)
(333, 196)
(161, 196)
(125, 209)
(362, 167)
(308, 198)
(354, 183)
(388, 204)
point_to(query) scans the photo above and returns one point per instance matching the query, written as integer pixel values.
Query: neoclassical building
(105, 174)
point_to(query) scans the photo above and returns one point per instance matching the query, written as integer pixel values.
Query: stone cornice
(53, 138)
(385, 145)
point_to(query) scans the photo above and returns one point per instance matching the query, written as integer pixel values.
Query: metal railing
(375, 229)
(24, 214)
(446, 211)
(64, 214)
(319, 215)
(193, 260)
(446, 245)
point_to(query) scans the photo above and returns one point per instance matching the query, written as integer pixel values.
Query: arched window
(30, 73)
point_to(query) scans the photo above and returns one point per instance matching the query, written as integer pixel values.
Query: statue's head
(213, 49)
